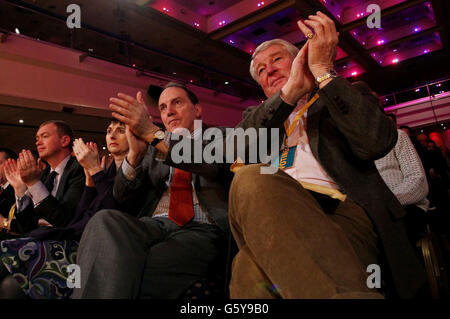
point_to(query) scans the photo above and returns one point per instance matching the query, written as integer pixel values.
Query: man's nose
(271, 69)
(171, 110)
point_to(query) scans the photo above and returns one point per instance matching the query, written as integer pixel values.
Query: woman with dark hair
(37, 265)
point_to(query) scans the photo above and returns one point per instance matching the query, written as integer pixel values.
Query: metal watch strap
(323, 77)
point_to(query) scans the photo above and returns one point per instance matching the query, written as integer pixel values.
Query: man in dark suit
(312, 229)
(47, 193)
(177, 222)
(7, 198)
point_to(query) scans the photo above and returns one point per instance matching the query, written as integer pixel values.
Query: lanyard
(11, 212)
(294, 123)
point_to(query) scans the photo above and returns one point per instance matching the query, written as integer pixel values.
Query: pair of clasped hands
(314, 59)
(26, 170)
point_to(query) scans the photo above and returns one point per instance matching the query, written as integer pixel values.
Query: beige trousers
(292, 246)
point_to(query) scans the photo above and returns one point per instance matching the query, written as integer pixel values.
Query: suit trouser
(121, 256)
(292, 246)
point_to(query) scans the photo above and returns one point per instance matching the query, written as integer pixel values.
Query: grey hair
(292, 49)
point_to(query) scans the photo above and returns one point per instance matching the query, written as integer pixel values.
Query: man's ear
(65, 141)
(198, 111)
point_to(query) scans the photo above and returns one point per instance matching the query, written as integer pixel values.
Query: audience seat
(430, 250)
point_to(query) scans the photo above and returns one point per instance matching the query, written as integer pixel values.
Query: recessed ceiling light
(21, 121)
(226, 82)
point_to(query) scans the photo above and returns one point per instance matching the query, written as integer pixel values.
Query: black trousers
(124, 257)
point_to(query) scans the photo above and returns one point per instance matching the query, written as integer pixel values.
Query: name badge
(287, 157)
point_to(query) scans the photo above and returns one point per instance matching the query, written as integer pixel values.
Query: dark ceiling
(183, 39)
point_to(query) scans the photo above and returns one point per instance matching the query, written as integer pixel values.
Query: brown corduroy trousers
(294, 243)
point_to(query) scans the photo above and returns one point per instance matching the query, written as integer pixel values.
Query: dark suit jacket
(92, 200)
(347, 131)
(7, 199)
(57, 210)
(140, 196)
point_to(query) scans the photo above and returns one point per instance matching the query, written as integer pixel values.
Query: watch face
(159, 134)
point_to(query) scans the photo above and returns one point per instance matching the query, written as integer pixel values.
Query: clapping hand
(87, 156)
(322, 42)
(12, 175)
(133, 112)
(137, 148)
(300, 80)
(30, 170)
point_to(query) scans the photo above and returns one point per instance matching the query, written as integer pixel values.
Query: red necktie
(181, 206)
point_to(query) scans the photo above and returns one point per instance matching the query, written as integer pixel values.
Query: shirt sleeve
(128, 171)
(23, 202)
(38, 192)
(414, 186)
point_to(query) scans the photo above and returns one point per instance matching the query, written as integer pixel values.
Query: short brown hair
(62, 128)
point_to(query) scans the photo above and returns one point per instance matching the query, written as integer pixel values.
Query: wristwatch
(158, 136)
(323, 77)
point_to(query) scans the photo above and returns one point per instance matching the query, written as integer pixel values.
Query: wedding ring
(310, 35)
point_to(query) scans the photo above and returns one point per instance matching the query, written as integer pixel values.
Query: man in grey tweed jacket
(312, 229)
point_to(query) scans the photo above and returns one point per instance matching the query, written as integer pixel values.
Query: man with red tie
(176, 222)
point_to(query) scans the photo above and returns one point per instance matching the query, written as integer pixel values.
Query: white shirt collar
(61, 166)
(4, 186)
